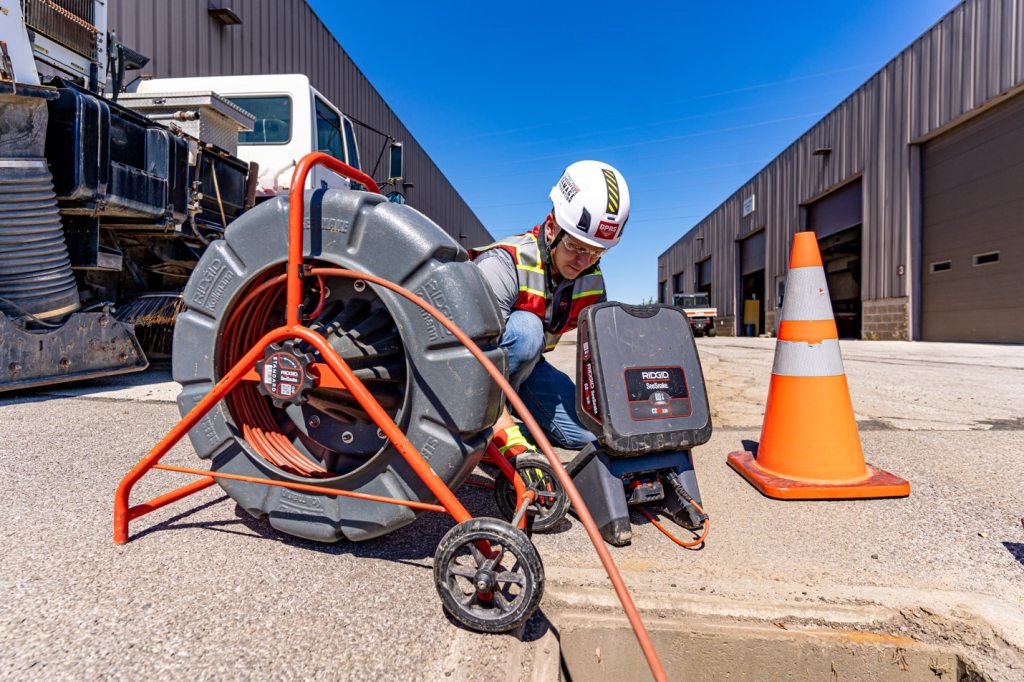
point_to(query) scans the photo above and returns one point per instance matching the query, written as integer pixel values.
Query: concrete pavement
(205, 591)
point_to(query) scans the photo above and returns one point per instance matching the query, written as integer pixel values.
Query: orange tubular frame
(293, 328)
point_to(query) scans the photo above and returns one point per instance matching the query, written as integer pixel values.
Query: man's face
(571, 256)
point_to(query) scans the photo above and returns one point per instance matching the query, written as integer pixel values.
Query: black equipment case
(640, 390)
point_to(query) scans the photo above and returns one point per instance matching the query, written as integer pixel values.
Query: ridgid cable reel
(289, 423)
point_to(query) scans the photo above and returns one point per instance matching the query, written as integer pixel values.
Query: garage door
(973, 240)
(836, 211)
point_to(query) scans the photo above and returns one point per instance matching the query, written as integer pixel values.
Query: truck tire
(433, 388)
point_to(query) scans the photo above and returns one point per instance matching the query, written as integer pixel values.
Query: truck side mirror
(396, 161)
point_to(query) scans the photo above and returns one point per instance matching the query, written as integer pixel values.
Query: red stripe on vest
(531, 302)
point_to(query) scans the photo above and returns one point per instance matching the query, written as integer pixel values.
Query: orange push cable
(531, 424)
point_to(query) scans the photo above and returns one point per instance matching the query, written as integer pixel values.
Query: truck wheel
(711, 332)
(430, 385)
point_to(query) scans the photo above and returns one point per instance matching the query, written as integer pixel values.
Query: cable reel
(291, 421)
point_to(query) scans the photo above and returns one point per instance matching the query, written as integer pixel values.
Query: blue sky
(688, 99)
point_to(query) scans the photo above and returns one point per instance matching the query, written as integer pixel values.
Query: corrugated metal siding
(970, 60)
(286, 36)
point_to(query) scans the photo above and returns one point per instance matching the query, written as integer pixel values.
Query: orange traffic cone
(810, 448)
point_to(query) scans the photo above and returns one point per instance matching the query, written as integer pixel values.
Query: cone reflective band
(810, 447)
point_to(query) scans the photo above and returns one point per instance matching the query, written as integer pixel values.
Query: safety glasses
(578, 248)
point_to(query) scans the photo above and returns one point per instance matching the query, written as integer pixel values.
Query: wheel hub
(484, 581)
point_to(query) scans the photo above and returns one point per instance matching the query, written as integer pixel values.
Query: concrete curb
(982, 629)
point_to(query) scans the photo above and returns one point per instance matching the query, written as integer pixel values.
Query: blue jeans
(548, 393)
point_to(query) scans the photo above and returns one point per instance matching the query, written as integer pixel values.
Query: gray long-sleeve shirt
(499, 271)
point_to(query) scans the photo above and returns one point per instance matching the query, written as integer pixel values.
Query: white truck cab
(292, 120)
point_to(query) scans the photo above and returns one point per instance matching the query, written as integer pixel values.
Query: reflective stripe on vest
(525, 252)
(533, 294)
(586, 291)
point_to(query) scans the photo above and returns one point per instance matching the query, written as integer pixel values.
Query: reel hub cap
(285, 374)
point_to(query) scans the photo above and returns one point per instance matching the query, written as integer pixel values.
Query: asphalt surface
(207, 592)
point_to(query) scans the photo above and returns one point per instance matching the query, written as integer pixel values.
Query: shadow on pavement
(176, 522)
(1016, 549)
(156, 375)
(408, 545)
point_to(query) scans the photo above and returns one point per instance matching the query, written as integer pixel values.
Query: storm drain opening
(602, 647)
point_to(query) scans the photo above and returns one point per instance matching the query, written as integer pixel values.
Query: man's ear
(550, 229)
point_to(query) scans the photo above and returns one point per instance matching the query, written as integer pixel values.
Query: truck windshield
(273, 119)
(690, 300)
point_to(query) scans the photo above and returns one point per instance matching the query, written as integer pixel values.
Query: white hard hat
(591, 202)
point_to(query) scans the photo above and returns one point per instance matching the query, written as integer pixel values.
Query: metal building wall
(286, 36)
(970, 60)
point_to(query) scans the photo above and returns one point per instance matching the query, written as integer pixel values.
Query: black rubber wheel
(711, 333)
(494, 591)
(551, 504)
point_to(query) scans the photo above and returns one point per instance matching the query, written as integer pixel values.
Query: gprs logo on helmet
(591, 203)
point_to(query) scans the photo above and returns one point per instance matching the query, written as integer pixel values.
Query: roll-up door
(972, 269)
(837, 211)
(836, 220)
(752, 285)
(752, 253)
(705, 272)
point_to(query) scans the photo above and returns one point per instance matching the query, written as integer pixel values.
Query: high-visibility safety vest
(534, 295)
